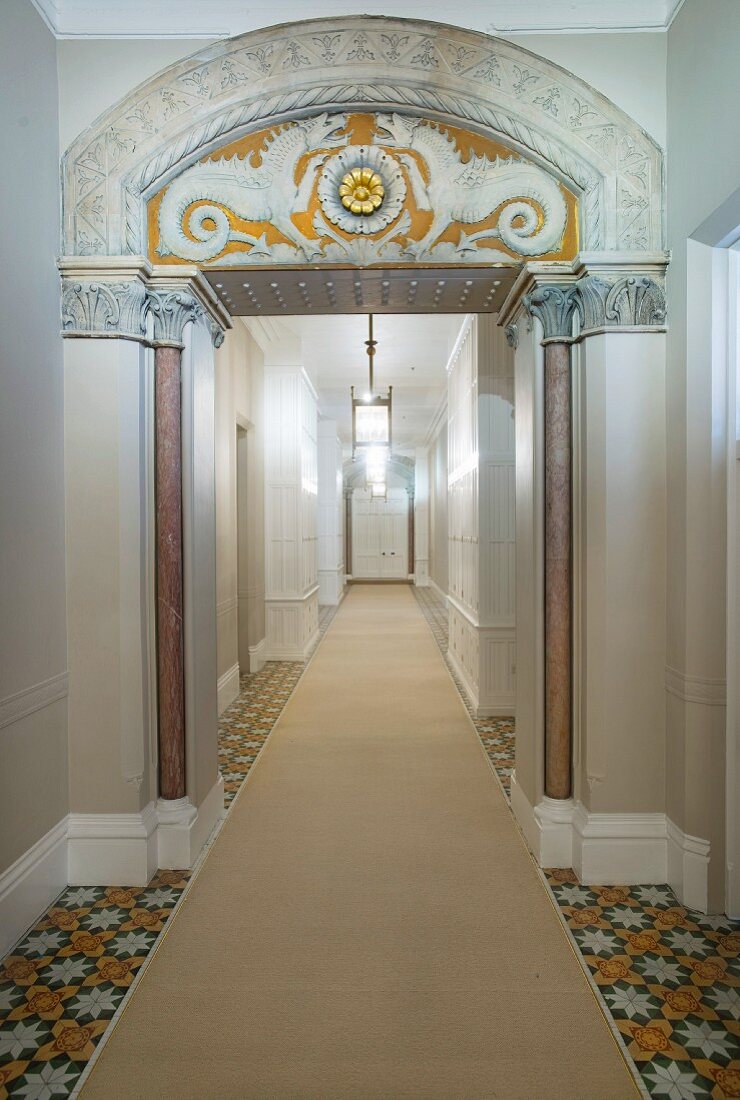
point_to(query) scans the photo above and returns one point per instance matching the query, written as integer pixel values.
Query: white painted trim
(470, 692)
(37, 697)
(607, 848)
(438, 591)
(30, 884)
(695, 689)
(547, 827)
(228, 687)
(257, 656)
(185, 828)
(112, 849)
(629, 848)
(688, 867)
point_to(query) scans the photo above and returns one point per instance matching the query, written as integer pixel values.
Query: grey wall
(33, 749)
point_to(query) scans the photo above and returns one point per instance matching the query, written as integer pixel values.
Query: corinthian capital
(98, 307)
(623, 302)
(171, 310)
(553, 304)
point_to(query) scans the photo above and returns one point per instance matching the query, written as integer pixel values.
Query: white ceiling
(412, 354)
(224, 18)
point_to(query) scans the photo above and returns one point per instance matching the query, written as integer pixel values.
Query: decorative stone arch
(610, 284)
(360, 63)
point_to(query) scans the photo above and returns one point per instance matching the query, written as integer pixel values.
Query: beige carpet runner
(368, 924)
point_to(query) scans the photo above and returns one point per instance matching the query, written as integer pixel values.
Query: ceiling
(224, 18)
(411, 356)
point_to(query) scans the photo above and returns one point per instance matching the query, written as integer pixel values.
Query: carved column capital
(625, 301)
(512, 335)
(172, 309)
(218, 333)
(554, 305)
(100, 307)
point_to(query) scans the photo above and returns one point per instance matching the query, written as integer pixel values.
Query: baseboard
(470, 692)
(619, 848)
(603, 849)
(30, 884)
(257, 656)
(112, 849)
(438, 591)
(547, 827)
(228, 687)
(184, 828)
(688, 867)
(291, 653)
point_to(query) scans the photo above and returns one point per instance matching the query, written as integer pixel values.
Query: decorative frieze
(266, 77)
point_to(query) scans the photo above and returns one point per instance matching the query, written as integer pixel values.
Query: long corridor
(368, 922)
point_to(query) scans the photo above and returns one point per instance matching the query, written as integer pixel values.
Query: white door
(380, 536)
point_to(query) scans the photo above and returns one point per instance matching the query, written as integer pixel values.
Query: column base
(184, 828)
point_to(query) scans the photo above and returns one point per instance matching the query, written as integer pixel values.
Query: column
(171, 311)
(553, 306)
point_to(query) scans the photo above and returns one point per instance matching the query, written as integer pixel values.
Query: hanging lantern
(371, 413)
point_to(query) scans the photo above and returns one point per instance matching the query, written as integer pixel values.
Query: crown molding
(131, 19)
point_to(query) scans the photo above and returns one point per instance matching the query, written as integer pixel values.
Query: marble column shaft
(170, 637)
(558, 584)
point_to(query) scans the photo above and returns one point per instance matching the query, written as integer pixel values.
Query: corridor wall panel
(480, 516)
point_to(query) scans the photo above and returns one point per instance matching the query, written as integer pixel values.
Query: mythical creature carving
(362, 191)
(470, 192)
(267, 192)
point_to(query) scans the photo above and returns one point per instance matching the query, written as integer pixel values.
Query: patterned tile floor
(670, 979)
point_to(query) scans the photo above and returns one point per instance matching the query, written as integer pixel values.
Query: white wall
(33, 659)
(703, 171)
(330, 515)
(481, 596)
(438, 509)
(240, 584)
(291, 484)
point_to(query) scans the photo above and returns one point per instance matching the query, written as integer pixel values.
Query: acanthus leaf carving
(553, 304)
(171, 310)
(627, 301)
(92, 307)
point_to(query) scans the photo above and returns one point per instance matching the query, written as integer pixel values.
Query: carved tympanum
(362, 189)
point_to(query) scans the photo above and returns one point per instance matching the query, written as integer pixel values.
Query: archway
(570, 194)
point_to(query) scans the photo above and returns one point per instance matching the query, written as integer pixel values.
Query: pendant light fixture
(371, 425)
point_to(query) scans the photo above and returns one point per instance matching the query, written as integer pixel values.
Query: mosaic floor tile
(670, 979)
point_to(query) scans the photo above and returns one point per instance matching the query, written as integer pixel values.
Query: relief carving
(352, 205)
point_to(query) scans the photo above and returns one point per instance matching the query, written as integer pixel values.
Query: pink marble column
(171, 308)
(558, 594)
(170, 638)
(554, 305)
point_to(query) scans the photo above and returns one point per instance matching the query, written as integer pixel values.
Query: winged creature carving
(533, 215)
(264, 192)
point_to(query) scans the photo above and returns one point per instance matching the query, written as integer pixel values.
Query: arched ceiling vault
(423, 73)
